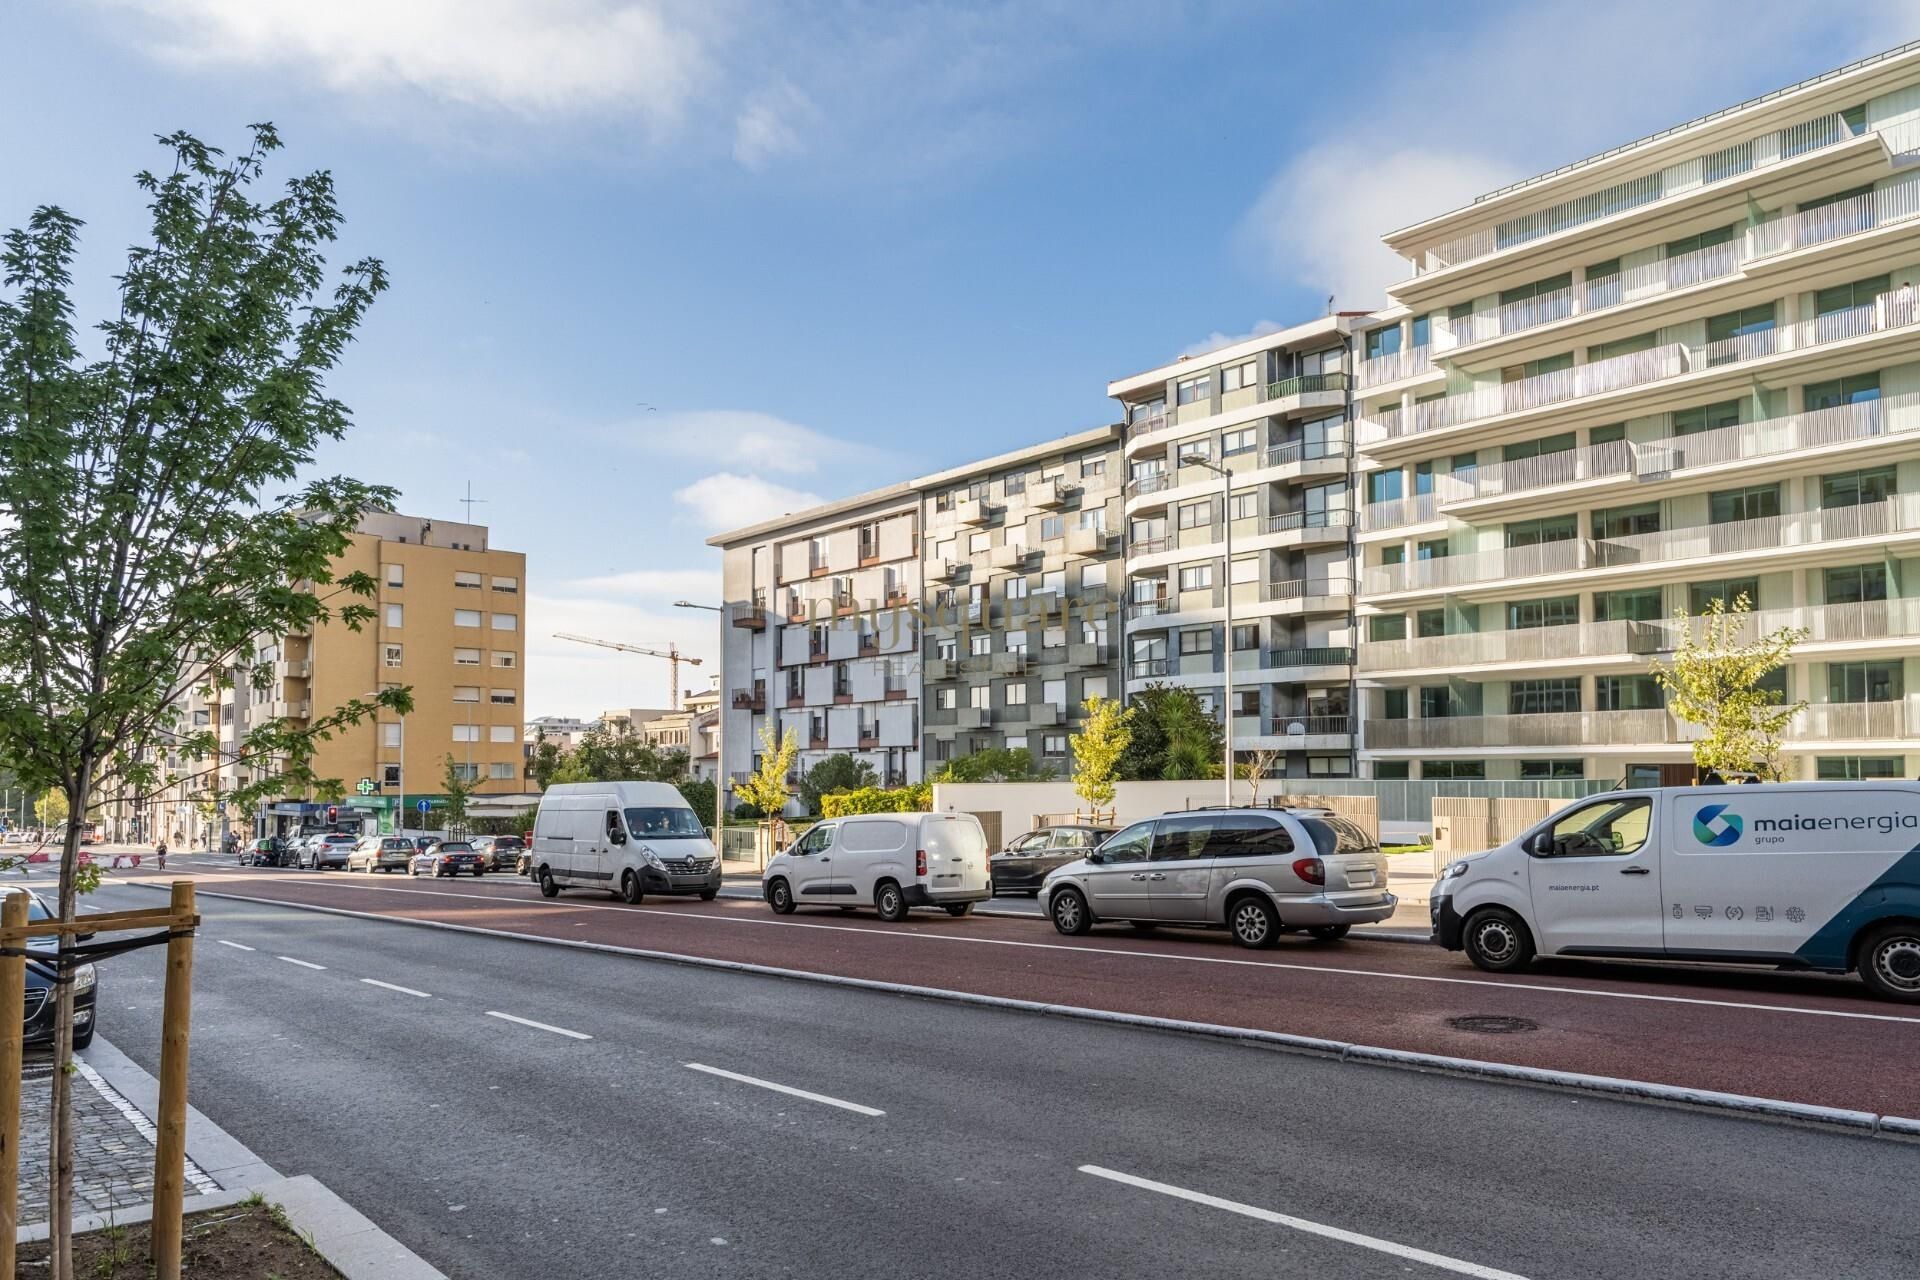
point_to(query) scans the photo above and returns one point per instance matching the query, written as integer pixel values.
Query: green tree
(916, 797)
(698, 793)
(1715, 681)
(161, 520)
(548, 756)
(1172, 736)
(459, 790)
(766, 789)
(615, 754)
(839, 772)
(996, 764)
(51, 808)
(1105, 733)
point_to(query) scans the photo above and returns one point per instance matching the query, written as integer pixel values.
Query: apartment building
(818, 639)
(1021, 624)
(1274, 540)
(1684, 370)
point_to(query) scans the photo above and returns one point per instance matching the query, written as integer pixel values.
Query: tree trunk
(60, 1147)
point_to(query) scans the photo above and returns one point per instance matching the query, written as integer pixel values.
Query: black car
(267, 852)
(500, 853)
(39, 1010)
(1024, 863)
(446, 858)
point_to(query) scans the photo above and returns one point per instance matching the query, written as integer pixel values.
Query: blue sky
(831, 244)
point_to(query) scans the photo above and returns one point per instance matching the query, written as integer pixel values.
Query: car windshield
(456, 846)
(664, 824)
(1338, 835)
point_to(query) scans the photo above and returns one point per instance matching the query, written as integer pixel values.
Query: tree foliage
(996, 764)
(51, 807)
(766, 789)
(155, 529)
(459, 790)
(699, 795)
(1105, 733)
(916, 797)
(839, 772)
(1172, 736)
(604, 754)
(1715, 681)
(1255, 768)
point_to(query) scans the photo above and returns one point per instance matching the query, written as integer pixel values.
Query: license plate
(1360, 879)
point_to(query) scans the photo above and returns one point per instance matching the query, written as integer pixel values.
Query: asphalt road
(1800, 1037)
(941, 1140)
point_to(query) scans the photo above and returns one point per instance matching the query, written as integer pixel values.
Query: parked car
(499, 852)
(445, 858)
(1803, 875)
(633, 838)
(381, 853)
(40, 983)
(1257, 872)
(1023, 865)
(264, 852)
(891, 861)
(329, 850)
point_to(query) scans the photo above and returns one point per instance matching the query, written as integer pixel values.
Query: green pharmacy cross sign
(365, 787)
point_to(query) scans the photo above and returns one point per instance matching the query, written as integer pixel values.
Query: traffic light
(333, 813)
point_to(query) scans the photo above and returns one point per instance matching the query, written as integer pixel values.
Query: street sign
(365, 786)
(423, 806)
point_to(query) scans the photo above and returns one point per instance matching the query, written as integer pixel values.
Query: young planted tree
(1715, 681)
(766, 790)
(1173, 736)
(459, 790)
(154, 531)
(1254, 770)
(838, 772)
(1105, 733)
(51, 808)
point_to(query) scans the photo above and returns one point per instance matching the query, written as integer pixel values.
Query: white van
(1816, 875)
(895, 861)
(631, 838)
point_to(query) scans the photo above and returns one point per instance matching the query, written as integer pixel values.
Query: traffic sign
(423, 806)
(365, 786)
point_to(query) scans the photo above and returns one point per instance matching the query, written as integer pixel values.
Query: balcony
(1006, 557)
(1300, 729)
(1046, 494)
(1309, 390)
(1564, 729)
(1146, 423)
(1895, 310)
(1151, 482)
(1300, 452)
(971, 511)
(1313, 526)
(754, 700)
(289, 709)
(1524, 645)
(751, 616)
(1086, 655)
(1898, 515)
(1329, 593)
(973, 717)
(940, 668)
(1006, 664)
(1419, 509)
(293, 668)
(1044, 714)
(1283, 659)
(1895, 203)
(1407, 362)
(1086, 542)
(1147, 669)
(1704, 170)
(1152, 546)
(944, 570)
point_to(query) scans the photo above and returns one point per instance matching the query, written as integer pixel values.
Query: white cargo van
(631, 838)
(893, 861)
(1816, 875)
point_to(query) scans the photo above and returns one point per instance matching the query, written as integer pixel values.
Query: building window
(390, 775)
(1542, 697)
(503, 697)
(1240, 376)
(1053, 638)
(466, 733)
(1016, 694)
(1245, 506)
(1627, 606)
(1196, 577)
(1628, 693)
(501, 658)
(466, 581)
(1557, 611)
(1701, 595)
(1538, 770)
(1052, 527)
(466, 693)
(1093, 687)
(500, 733)
(1387, 626)
(1621, 522)
(1827, 395)
(395, 613)
(1054, 744)
(1752, 502)
(1093, 575)
(1532, 533)
(390, 735)
(1091, 467)
(391, 653)
(1014, 485)
(466, 617)
(980, 696)
(1855, 584)
(1540, 447)
(1016, 589)
(466, 657)
(1197, 641)
(509, 585)
(1193, 390)
(500, 770)
(1195, 515)
(1470, 769)
(1706, 417)
(1390, 770)
(506, 621)
(1864, 682)
(467, 772)
(396, 575)
(1856, 768)
(1053, 582)
(1246, 635)
(1236, 442)
(946, 698)
(1858, 488)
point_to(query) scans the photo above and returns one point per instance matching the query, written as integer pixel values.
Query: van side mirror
(1095, 856)
(616, 836)
(1541, 844)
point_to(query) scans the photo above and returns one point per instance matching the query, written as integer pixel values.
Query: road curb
(1774, 1109)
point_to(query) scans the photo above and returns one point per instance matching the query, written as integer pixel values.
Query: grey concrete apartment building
(967, 609)
(1273, 411)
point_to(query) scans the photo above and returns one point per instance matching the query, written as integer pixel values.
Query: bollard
(170, 1141)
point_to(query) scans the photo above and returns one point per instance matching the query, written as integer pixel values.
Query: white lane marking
(304, 964)
(237, 946)
(539, 1026)
(786, 1089)
(405, 991)
(1509, 985)
(1407, 1252)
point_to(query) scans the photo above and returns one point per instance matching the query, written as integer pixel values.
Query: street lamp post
(1226, 524)
(719, 728)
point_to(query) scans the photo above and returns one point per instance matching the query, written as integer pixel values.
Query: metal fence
(1412, 800)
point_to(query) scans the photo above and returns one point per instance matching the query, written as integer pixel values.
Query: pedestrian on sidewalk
(160, 853)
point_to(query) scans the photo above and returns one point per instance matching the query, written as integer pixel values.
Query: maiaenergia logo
(1729, 830)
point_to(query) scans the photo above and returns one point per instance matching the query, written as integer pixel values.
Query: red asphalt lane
(1799, 1037)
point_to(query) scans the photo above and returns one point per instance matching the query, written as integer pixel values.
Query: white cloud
(1216, 340)
(771, 125)
(530, 57)
(727, 501)
(566, 678)
(742, 438)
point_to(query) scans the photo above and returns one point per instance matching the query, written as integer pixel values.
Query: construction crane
(671, 653)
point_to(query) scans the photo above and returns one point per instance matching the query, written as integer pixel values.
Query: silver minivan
(1258, 872)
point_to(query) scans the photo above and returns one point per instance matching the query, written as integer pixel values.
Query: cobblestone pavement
(112, 1145)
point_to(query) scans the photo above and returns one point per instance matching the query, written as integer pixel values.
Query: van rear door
(956, 850)
(1595, 882)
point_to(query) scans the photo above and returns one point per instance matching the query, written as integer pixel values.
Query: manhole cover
(1492, 1024)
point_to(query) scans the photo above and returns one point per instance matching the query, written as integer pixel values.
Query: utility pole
(1226, 522)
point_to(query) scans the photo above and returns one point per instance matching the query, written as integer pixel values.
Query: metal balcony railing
(1287, 521)
(1404, 363)
(1146, 668)
(1524, 644)
(1152, 482)
(1311, 657)
(1307, 384)
(1418, 509)
(1281, 455)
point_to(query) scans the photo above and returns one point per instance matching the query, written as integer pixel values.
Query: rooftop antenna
(1329, 304)
(469, 501)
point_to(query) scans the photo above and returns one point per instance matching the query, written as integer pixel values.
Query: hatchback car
(446, 858)
(381, 853)
(499, 852)
(261, 853)
(329, 850)
(1257, 872)
(1023, 865)
(40, 983)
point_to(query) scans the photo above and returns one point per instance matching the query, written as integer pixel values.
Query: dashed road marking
(786, 1089)
(304, 964)
(538, 1026)
(405, 991)
(237, 946)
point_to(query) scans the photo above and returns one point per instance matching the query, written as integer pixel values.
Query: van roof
(624, 793)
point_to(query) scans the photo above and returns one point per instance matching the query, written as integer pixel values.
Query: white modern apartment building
(1273, 412)
(1683, 370)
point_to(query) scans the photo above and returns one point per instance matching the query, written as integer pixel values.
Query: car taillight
(919, 862)
(1312, 870)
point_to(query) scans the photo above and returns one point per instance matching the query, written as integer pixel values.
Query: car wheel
(890, 902)
(708, 895)
(548, 889)
(1069, 912)
(478, 872)
(1253, 921)
(1330, 932)
(630, 892)
(1890, 961)
(81, 1039)
(1496, 940)
(780, 897)
(959, 909)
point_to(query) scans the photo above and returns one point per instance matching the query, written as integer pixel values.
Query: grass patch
(247, 1241)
